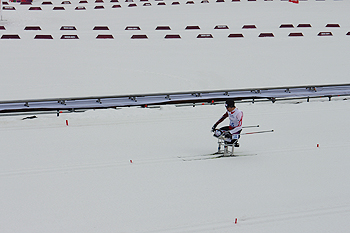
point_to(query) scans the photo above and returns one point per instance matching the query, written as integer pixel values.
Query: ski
(213, 156)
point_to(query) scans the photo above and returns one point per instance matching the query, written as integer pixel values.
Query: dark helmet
(229, 103)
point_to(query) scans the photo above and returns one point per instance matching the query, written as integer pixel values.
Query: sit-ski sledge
(226, 147)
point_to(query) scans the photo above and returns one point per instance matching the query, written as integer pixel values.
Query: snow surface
(123, 170)
(33, 68)
(120, 171)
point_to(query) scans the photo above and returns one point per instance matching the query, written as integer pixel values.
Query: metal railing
(144, 100)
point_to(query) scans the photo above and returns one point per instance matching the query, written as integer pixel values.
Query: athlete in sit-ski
(232, 131)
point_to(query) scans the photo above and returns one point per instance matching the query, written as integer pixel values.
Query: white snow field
(53, 68)
(138, 170)
(124, 171)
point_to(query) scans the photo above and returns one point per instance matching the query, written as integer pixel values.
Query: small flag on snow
(294, 1)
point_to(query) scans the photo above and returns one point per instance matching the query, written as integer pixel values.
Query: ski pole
(251, 126)
(264, 131)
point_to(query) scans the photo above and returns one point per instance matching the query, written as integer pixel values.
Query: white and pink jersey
(236, 117)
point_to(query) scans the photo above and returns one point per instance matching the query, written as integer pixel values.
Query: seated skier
(231, 132)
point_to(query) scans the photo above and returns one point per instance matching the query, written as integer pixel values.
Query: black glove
(213, 128)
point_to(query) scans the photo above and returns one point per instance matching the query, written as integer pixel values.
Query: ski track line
(198, 227)
(254, 220)
(265, 152)
(83, 167)
(38, 171)
(305, 148)
(73, 168)
(279, 217)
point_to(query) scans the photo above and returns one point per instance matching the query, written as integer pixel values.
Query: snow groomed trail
(118, 170)
(109, 169)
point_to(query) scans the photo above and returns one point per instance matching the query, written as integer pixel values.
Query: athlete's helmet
(229, 103)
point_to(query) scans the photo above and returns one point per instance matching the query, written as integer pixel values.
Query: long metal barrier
(98, 102)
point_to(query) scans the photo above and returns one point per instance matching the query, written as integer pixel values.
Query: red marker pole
(67, 122)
